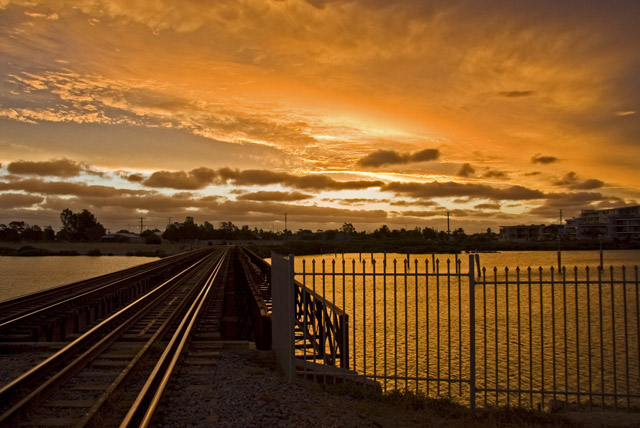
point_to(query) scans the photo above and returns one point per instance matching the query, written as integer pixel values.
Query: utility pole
(559, 253)
(169, 221)
(448, 227)
(141, 224)
(285, 222)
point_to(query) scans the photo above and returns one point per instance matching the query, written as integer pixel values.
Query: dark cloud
(451, 189)
(201, 177)
(274, 196)
(568, 179)
(494, 173)
(258, 177)
(571, 204)
(516, 94)
(55, 167)
(532, 173)
(248, 210)
(183, 195)
(443, 213)
(66, 188)
(10, 201)
(414, 204)
(571, 181)
(195, 179)
(356, 201)
(392, 157)
(154, 203)
(134, 178)
(425, 213)
(589, 184)
(466, 170)
(545, 160)
(425, 155)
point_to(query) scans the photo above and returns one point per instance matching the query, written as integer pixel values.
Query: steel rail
(115, 324)
(146, 403)
(94, 411)
(30, 313)
(25, 299)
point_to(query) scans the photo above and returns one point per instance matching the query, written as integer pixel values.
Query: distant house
(610, 224)
(531, 232)
(122, 237)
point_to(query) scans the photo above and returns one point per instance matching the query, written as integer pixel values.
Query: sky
(367, 112)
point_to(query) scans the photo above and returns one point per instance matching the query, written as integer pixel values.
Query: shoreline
(264, 248)
(43, 249)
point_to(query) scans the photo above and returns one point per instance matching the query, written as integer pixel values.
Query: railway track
(60, 313)
(116, 372)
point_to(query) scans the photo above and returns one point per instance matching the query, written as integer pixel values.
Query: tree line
(85, 227)
(76, 227)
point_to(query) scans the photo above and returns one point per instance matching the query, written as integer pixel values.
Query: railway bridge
(115, 340)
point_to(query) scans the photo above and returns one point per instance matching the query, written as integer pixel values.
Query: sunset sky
(370, 112)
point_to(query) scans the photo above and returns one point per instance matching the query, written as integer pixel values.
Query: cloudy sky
(369, 112)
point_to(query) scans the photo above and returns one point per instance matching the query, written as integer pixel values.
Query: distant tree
(148, 232)
(189, 229)
(14, 231)
(330, 235)
(80, 227)
(206, 231)
(48, 234)
(4, 230)
(32, 233)
(172, 232)
(244, 233)
(381, 232)
(228, 229)
(348, 228)
(459, 234)
(152, 239)
(186, 231)
(429, 233)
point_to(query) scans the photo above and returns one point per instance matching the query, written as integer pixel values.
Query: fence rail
(525, 337)
(321, 329)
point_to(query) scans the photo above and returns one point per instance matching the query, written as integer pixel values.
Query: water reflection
(539, 333)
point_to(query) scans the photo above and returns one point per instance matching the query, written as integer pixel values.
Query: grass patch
(29, 251)
(428, 410)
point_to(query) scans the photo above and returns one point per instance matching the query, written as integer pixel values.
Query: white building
(616, 223)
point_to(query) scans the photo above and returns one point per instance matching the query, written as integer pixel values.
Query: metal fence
(527, 337)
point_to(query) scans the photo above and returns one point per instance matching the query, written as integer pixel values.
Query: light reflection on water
(24, 275)
(527, 336)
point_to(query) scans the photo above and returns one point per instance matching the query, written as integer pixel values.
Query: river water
(24, 275)
(538, 335)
